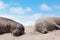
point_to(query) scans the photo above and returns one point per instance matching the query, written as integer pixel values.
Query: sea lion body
(47, 24)
(10, 26)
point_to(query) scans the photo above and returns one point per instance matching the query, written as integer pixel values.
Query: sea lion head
(42, 28)
(19, 30)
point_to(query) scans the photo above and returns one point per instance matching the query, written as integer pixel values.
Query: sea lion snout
(44, 32)
(18, 31)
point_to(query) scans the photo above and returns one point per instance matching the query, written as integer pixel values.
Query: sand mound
(32, 35)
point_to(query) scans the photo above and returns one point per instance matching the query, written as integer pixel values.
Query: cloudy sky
(28, 11)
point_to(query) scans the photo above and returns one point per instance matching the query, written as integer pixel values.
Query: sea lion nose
(44, 32)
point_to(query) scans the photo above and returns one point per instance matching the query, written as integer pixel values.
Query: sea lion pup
(11, 26)
(47, 24)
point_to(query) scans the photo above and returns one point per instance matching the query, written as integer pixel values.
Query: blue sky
(28, 11)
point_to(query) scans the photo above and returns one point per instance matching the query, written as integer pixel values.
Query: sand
(30, 34)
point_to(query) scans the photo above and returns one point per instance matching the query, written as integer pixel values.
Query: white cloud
(32, 18)
(7, 16)
(17, 10)
(37, 15)
(57, 7)
(45, 7)
(3, 5)
(20, 10)
(28, 9)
